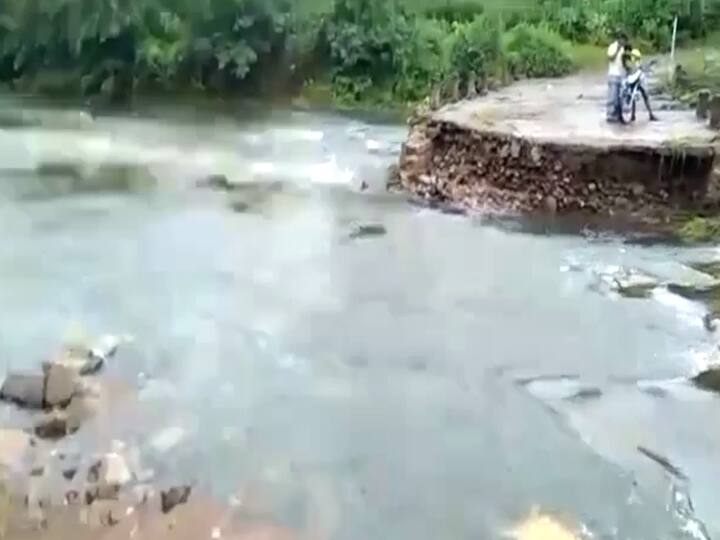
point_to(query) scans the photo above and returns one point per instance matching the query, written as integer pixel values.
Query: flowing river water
(438, 377)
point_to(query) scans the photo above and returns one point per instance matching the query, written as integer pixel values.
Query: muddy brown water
(356, 366)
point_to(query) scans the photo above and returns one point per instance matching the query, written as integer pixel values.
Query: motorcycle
(630, 90)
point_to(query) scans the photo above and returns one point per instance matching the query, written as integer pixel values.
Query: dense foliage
(115, 45)
(536, 51)
(366, 50)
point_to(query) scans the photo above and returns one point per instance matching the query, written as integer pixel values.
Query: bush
(536, 51)
(364, 38)
(477, 48)
(423, 59)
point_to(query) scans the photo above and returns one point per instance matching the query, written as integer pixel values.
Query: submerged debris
(663, 462)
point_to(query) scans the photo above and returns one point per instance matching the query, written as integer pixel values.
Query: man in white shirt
(616, 72)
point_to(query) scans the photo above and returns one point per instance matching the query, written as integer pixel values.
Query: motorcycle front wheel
(627, 107)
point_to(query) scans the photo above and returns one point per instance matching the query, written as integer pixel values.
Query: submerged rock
(24, 389)
(368, 230)
(634, 284)
(696, 293)
(636, 291)
(174, 496)
(708, 380)
(216, 181)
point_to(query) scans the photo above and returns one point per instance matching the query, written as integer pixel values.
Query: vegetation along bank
(370, 52)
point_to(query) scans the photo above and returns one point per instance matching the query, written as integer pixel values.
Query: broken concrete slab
(24, 389)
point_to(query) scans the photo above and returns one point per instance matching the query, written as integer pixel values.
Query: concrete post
(715, 112)
(703, 105)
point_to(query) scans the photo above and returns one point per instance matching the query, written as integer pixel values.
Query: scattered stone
(53, 426)
(174, 496)
(637, 189)
(104, 492)
(369, 230)
(104, 513)
(536, 154)
(240, 207)
(24, 389)
(106, 477)
(216, 181)
(551, 204)
(72, 497)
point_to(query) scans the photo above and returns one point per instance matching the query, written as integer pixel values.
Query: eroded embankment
(497, 172)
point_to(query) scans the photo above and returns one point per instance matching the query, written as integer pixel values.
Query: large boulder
(708, 380)
(107, 476)
(61, 384)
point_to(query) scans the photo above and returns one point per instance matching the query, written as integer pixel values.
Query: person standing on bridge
(616, 71)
